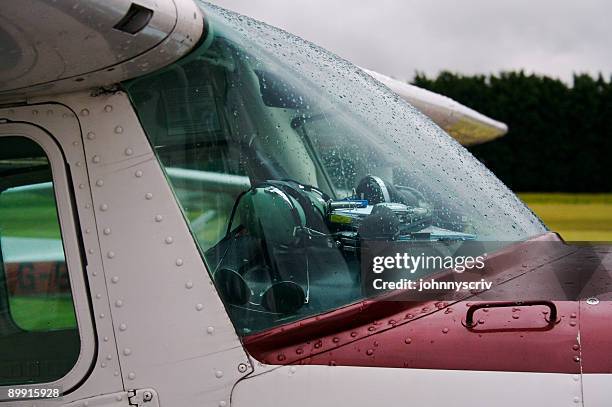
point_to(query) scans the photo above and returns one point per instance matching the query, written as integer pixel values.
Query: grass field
(29, 214)
(577, 217)
(43, 313)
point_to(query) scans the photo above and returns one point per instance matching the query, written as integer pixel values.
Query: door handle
(469, 316)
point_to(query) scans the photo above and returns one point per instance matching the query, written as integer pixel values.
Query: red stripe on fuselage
(381, 333)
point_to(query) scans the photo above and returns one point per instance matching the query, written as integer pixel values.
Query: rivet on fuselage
(592, 301)
(99, 183)
(131, 375)
(127, 351)
(188, 285)
(104, 207)
(118, 130)
(169, 240)
(218, 374)
(115, 280)
(122, 327)
(107, 231)
(128, 152)
(210, 330)
(199, 307)
(179, 262)
(118, 303)
(108, 108)
(158, 218)
(91, 135)
(148, 196)
(138, 174)
(84, 112)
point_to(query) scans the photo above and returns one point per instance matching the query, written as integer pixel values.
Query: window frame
(72, 252)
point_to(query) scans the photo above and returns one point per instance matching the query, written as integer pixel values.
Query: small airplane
(189, 205)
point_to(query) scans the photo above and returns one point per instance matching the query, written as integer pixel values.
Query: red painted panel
(596, 337)
(596, 314)
(432, 335)
(505, 340)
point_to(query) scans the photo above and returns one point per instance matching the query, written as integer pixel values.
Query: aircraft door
(46, 333)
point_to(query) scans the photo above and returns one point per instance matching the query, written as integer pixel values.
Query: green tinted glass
(39, 340)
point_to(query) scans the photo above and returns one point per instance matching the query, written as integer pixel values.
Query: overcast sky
(399, 37)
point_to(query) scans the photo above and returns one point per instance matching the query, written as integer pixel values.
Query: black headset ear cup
(382, 223)
(232, 287)
(374, 189)
(285, 297)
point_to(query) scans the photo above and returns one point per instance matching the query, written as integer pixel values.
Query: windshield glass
(285, 158)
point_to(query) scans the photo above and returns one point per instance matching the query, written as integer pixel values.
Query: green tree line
(559, 138)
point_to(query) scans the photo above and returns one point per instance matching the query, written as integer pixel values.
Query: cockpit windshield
(286, 158)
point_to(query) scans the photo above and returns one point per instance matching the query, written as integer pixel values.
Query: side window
(39, 339)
